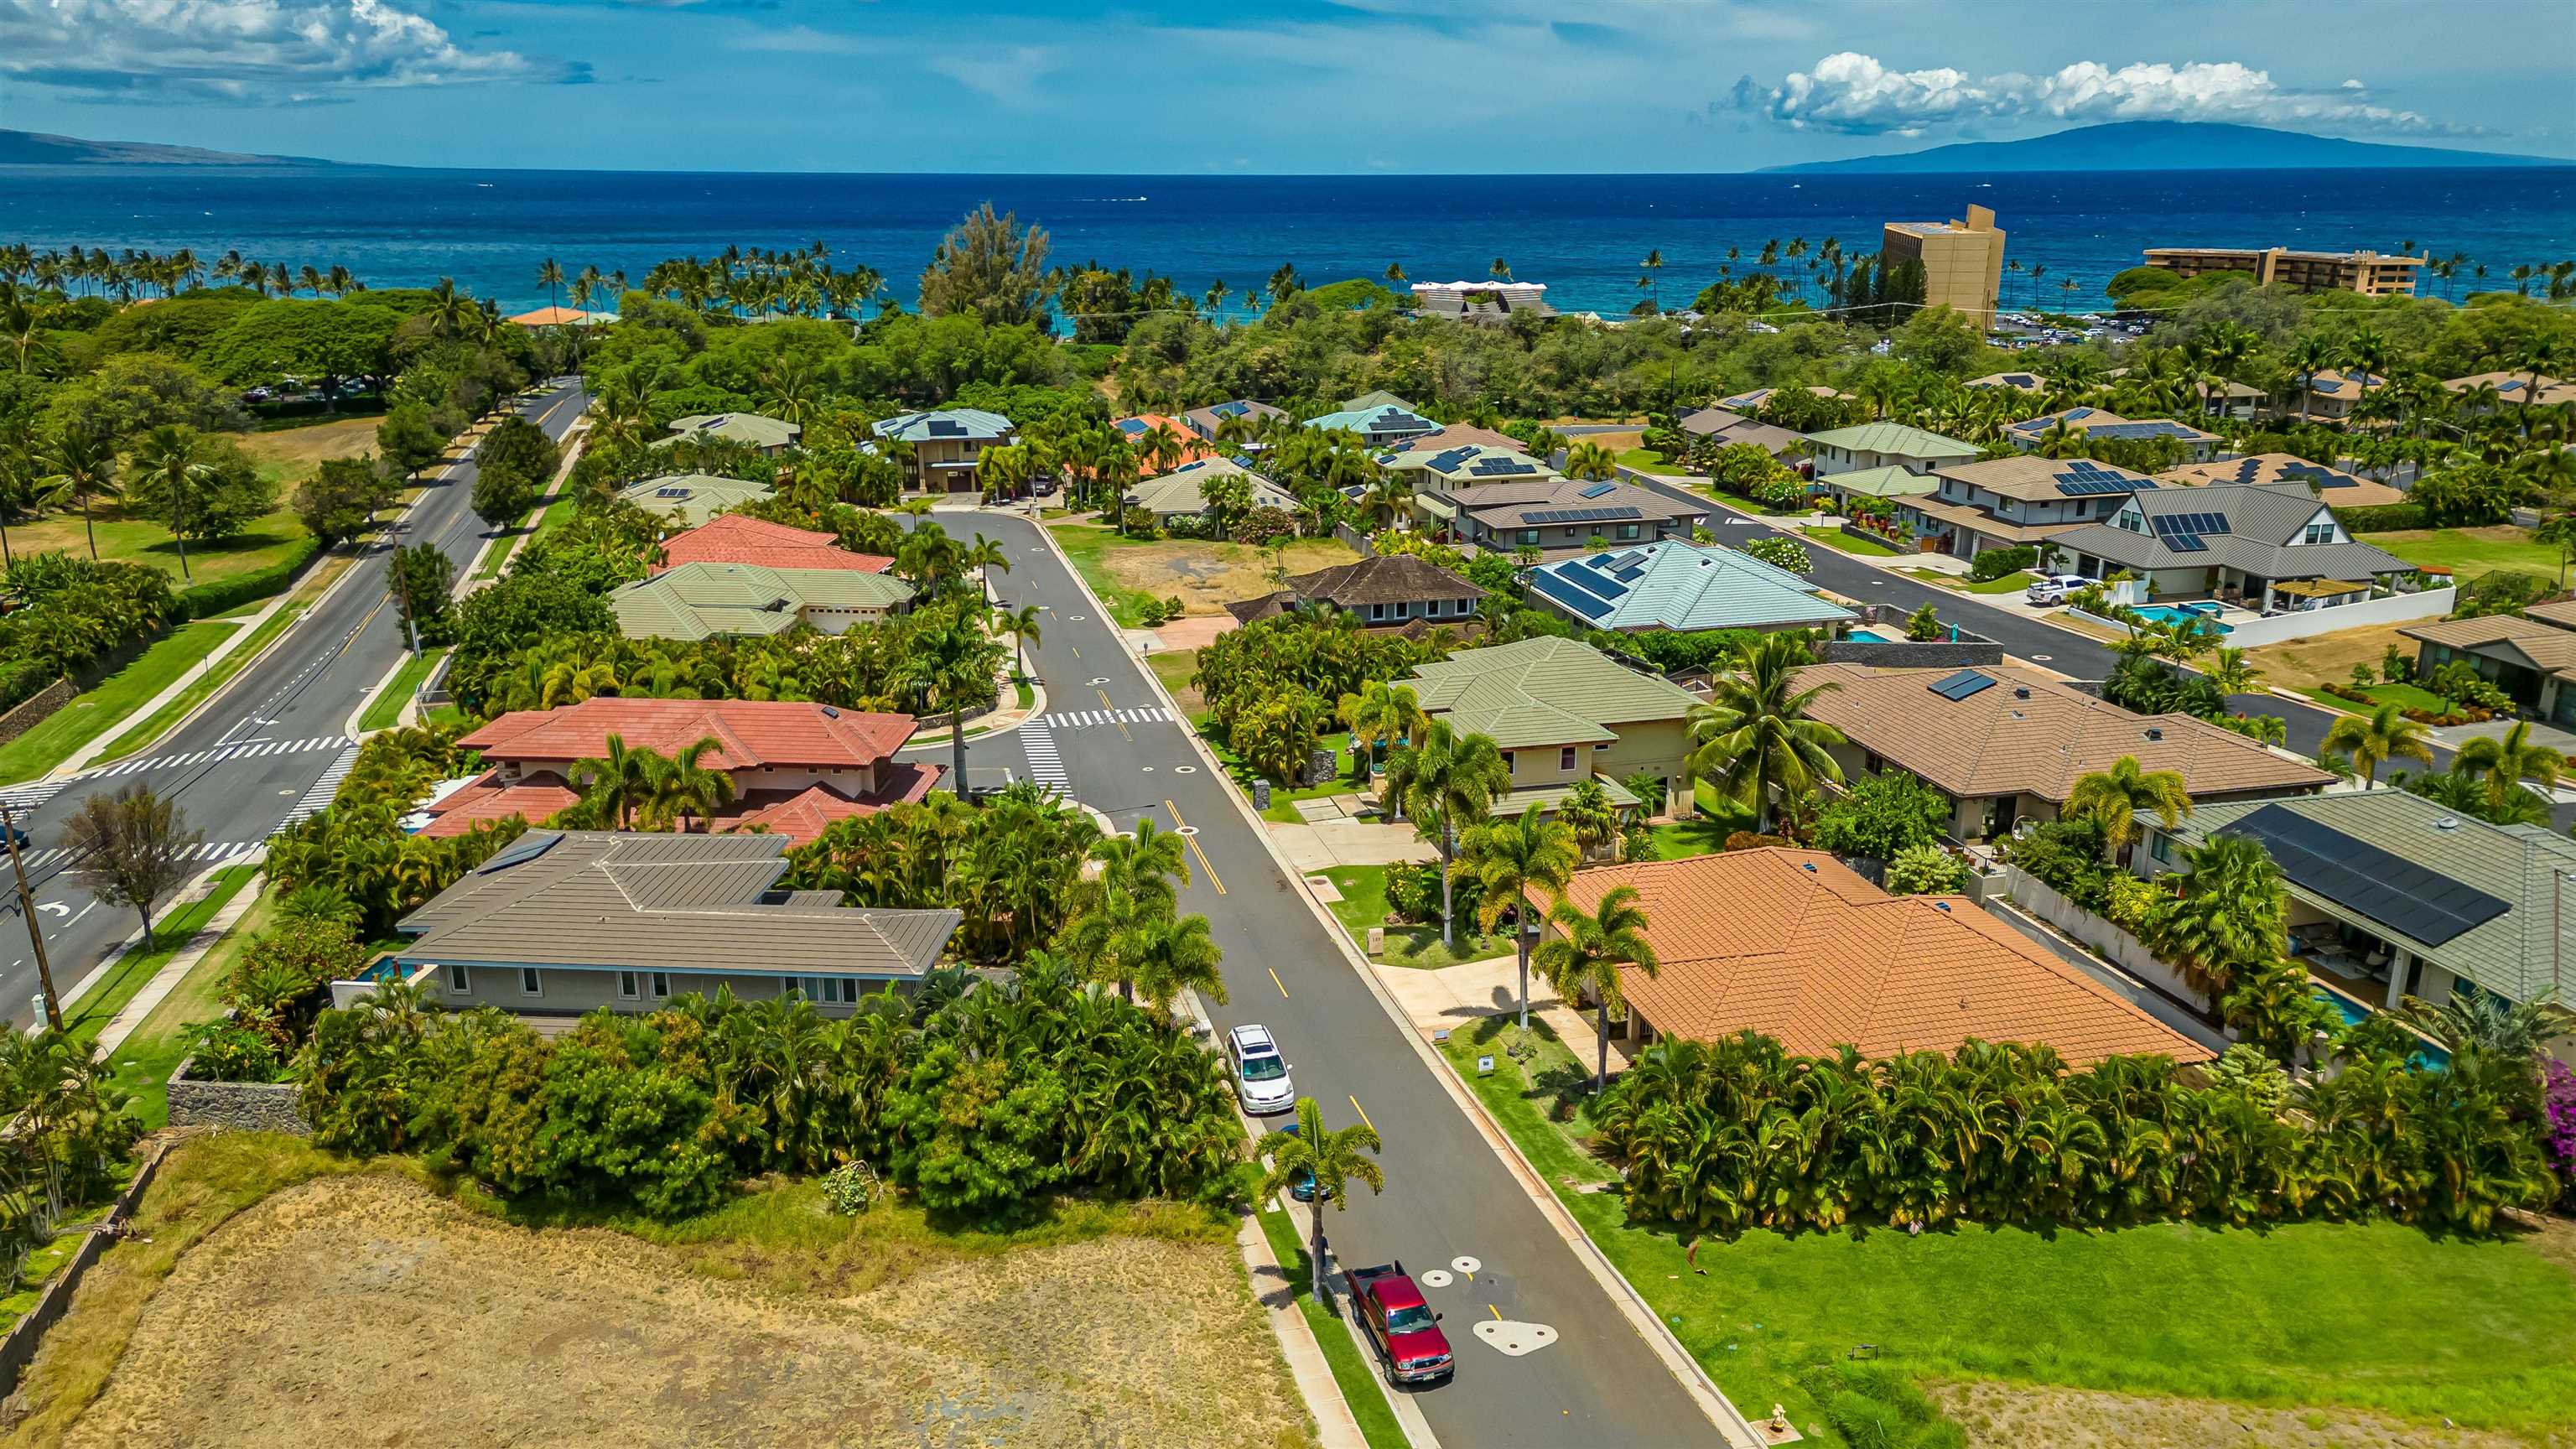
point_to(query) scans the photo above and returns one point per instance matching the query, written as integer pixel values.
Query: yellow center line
(1498, 1313)
(362, 626)
(1372, 1126)
(1077, 650)
(1179, 824)
(1275, 981)
(1122, 728)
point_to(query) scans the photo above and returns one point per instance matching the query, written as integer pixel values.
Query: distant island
(2165, 146)
(35, 148)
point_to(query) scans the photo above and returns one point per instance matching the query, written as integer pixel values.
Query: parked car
(1260, 1072)
(2053, 588)
(1400, 1325)
(17, 836)
(1303, 1189)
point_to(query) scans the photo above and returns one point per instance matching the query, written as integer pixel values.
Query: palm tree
(2116, 795)
(1588, 954)
(2367, 349)
(1389, 496)
(171, 456)
(1169, 956)
(550, 276)
(1653, 266)
(1331, 1159)
(2509, 761)
(1447, 783)
(1510, 858)
(1138, 882)
(2484, 1021)
(622, 776)
(82, 463)
(1023, 625)
(1591, 462)
(1395, 274)
(1379, 715)
(683, 788)
(2233, 672)
(2227, 918)
(2374, 739)
(1753, 737)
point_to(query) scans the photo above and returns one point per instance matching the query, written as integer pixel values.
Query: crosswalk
(32, 794)
(204, 853)
(323, 789)
(1037, 741)
(244, 750)
(1085, 718)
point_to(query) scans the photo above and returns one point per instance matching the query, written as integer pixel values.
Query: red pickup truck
(1405, 1330)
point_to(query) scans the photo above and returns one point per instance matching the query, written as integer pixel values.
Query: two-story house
(944, 445)
(1884, 445)
(1563, 712)
(2003, 502)
(1553, 515)
(1382, 591)
(2274, 546)
(2093, 423)
(769, 435)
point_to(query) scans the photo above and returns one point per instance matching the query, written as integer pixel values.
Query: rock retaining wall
(33, 710)
(239, 1106)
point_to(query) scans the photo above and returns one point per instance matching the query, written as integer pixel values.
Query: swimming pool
(2429, 1057)
(1864, 636)
(2205, 615)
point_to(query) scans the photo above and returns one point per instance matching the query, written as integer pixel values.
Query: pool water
(2431, 1057)
(2168, 614)
(1863, 636)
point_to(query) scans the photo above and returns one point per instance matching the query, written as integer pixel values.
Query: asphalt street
(242, 764)
(1447, 1194)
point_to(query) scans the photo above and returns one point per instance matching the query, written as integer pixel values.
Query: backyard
(1127, 572)
(2469, 552)
(2330, 1319)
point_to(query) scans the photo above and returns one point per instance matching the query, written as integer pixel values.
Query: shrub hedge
(200, 601)
(2382, 518)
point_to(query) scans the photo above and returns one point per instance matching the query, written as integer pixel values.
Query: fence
(18, 1349)
(2395, 608)
(239, 1106)
(1357, 540)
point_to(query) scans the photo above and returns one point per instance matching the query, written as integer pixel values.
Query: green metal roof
(1894, 438)
(1552, 797)
(1890, 481)
(692, 498)
(752, 428)
(1545, 691)
(704, 600)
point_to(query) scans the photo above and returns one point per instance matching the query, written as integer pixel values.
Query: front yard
(1832, 536)
(1363, 904)
(1127, 572)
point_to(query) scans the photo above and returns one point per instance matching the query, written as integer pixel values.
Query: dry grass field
(2013, 1416)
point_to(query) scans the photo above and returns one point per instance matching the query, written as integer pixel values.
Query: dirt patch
(2329, 658)
(1208, 576)
(368, 1311)
(296, 451)
(2014, 1416)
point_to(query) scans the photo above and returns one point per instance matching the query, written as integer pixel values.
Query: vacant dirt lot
(1208, 576)
(2012, 1416)
(2329, 658)
(366, 1311)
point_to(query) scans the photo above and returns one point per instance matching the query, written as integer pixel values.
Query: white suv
(1260, 1073)
(2053, 588)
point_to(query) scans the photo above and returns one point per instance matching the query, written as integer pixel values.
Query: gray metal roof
(2264, 521)
(634, 900)
(959, 424)
(1676, 585)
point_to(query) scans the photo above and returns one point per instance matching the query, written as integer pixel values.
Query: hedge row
(205, 600)
(2382, 518)
(22, 680)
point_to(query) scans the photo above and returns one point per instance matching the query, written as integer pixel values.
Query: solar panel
(1959, 686)
(670, 492)
(526, 848)
(1599, 489)
(1630, 574)
(2170, 523)
(1546, 582)
(1580, 515)
(1500, 468)
(943, 428)
(2183, 542)
(1451, 459)
(1130, 426)
(1592, 579)
(2387, 888)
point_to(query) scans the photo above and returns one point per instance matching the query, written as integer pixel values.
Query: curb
(1723, 1416)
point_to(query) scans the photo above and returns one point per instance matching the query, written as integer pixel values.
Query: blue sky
(1265, 86)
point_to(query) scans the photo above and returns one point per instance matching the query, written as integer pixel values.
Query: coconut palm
(2508, 761)
(1447, 783)
(2114, 797)
(2483, 1021)
(173, 457)
(2233, 671)
(1587, 955)
(1332, 1160)
(81, 463)
(2374, 739)
(2227, 918)
(1753, 737)
(1510, 858)
(1169, 956)
(1590, 461)
(682, 787)
(1024, 626)
(1381, 714)
(621, 777)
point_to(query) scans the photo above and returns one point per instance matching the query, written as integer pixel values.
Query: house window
(1627, 530)
(626, 987)
(460, 981)
(1507, 761)
(2320, 531)
(840, 991)
(529, 985)
(1529, 535)
(661, 985)
(790, 987)
(2159, 847)
(1376, 612)
(1565, 758)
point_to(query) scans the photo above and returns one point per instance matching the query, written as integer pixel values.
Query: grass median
(107, 704)
(202, 688)
(1352, 1371)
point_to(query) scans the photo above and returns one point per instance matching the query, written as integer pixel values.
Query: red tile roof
(734, 538)
(490, 799)
(1193, 447)
(748, 733)
(799, 816)
(1792, 944)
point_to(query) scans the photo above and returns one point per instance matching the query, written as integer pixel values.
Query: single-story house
(2001, 502)
(1729, 428)
(2007, 743)
(2098, 423)
(708, 600)
(563, 317)
(1794, 945)
(1381, 425)
(1749, 403)
(564, 922)
(945, 445)
(1208, 421)
(1678, 585)
(737, 538)
(2236, 541)
(2338, 488)
(1182, 493)
(770, 435)
(690, 499)
(2332, 393)
(1879, 445)
(1383, 591)
(2394, 895)
(2533, 659)
(2511, 388)
(1553, 515)
(2021, 382)
(1563, 712)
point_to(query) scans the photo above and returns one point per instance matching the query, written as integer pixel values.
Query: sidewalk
(244, 628)
(167, 979)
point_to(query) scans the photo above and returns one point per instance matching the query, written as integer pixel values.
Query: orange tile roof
(489, 799)
(1999, 742)
(735, 538)
(1193, 447)
(1792, 944)
(558, 317)
(799, 816)
(748, 733)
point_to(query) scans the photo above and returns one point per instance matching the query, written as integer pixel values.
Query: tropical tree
(1171, 955)
(1381, 714)
(2508, 761)
(2374, 739)
(2233, 671)
(1510, 858)
(1024, 625)
(172, 459)
(130, 849)
(1753, 737)
(683, 787)
(1590, 461)
(1136, 887)
(1447, 783)
(1587, 954)
(620, 778)
(2116, 795)
(1332, 1160)
(81, 463)
(2227, 915)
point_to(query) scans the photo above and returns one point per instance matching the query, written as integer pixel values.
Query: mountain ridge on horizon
(2162, 146)
(42, 148)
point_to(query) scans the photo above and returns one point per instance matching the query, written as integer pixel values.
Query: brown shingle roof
(2561, 613)
(2548, 647)
(1999, 741)
(1381, 579)
(1792, 944)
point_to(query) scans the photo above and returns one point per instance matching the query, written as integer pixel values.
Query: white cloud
(1856, 94)
(1007, 78)
(283, 51)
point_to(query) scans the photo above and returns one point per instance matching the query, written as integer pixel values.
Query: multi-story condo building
(1963, 261)
(2366, 272)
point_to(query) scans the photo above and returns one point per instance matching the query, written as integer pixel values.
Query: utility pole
(27, 908)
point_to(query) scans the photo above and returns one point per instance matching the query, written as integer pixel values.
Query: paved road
(272, 737)
(1447, 1194)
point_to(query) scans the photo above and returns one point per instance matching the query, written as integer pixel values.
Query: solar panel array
(2387, 888)
(2316, 475)
(2084, 477)
(1443, 462)
(1493, 467)
(671, 492)
(1956, 687)
(2182, 532)
(1580, 515)
(2151, 428)
(1599, 489)
(943, 428)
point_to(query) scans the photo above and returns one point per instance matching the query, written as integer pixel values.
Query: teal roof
(1386, 418)
(705, 600)
(1676, 585)
(692, 498)
(1894, 438)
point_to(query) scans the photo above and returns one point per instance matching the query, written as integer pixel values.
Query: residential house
(2262, 544)
(2338, 488)
(1379, 425)
(2224, 398)
(2001, 502)
(2511, 388)
(1562, 713)
(737, 538)
(1749, 403)
(690, 499)
(1208, 421)
(2007, 742)
(1678, 585)
(796, 766)
(560, 923)
(2333, 393)
(770, 435)
(1182, 493)
(1382, 591)
(563, 317)
(1457, 435)
(1794, 945)
(1553, 515)
(711, 600)
(1890, 482)
(1376, 397)
(1480, 301)
(1729, 428)
(2393, 895)
(1881, 445)
(1466, 465)
(2029, 383)
(1136, 430)
(945, 445)
(2095, 424)
(2532, 658)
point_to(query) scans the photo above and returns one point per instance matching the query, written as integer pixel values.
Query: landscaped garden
(1414, 940)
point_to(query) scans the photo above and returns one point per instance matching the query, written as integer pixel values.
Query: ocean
(1581, 235)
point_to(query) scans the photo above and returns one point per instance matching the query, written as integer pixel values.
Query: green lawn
(266, 540)
(1363, 904)
(106, 706)
(2404, 696)
(1351, 1368)
(2011, 583)
(2469, 552)
(203, 685)
(144, 1061)
(1742, 504)
(1283, 800)
(2374, 1316)
(1832, 536)
(1647, 460)
(388, 704)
